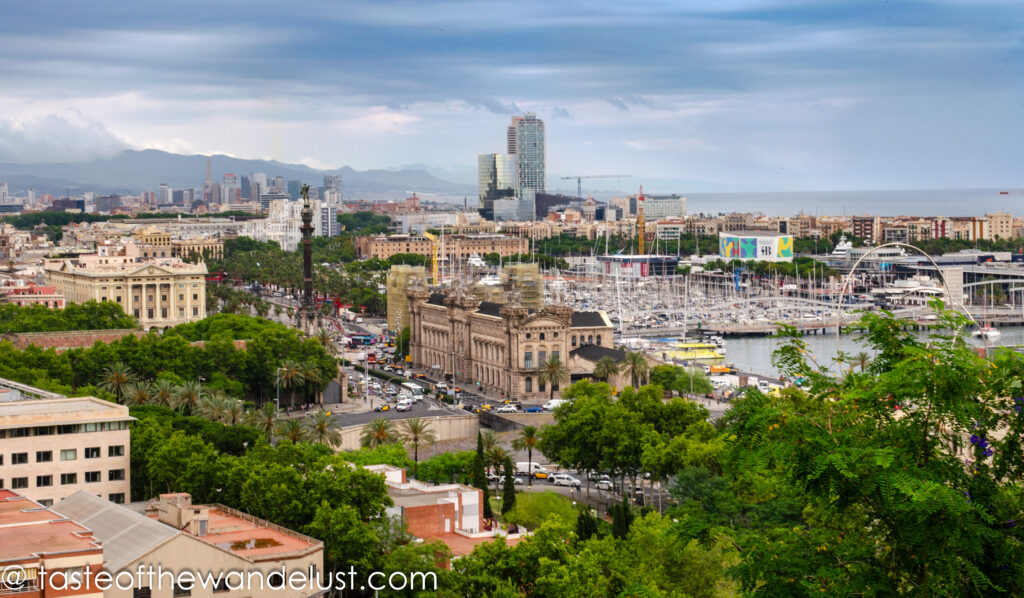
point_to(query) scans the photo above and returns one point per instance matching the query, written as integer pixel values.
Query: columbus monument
(307, 318)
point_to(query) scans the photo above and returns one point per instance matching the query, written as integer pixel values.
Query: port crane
(579, 180)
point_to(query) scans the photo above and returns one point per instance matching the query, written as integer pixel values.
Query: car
(382, 408)
(507, 409)
(594, 475)
(564, 479)
(404, 405)
(419, 376)
(554, 404)
(515, 481)
(605, 485)
(533, 409)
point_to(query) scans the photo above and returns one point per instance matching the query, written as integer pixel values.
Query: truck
(531, 468)
(719, 369)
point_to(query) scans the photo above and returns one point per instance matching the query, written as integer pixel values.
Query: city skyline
(737, 96)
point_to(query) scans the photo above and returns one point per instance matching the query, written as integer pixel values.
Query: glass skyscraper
(529, 149)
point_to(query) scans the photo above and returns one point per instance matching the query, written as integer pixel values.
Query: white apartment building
(52, 446)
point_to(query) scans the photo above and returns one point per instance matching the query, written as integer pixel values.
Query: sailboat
(986, 331)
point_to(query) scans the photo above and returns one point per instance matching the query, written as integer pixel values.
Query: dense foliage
(91, 315)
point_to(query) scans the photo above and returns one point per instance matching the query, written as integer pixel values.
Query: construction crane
(640, 230)
(434, 242)
(579, 180)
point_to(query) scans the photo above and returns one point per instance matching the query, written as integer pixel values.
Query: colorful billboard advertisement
(746, 246)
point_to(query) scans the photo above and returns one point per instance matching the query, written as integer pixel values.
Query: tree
(322, 428)
(508, 492)
(292, 430)
(290, 375)
(527, 440)
(234, 411)
(622, 518)
(479, 476)
(605, 368)
(164, 393)
(417, 431)
(188, 396)
(636, 366)
(862, 359)
(586, 525)
(377, 432)
(496, 459)
(138, 393)
(264, 419)
(488, 440)
(327, 340)
(553, 372)
(116, 378)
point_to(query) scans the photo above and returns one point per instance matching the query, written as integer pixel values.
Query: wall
(451, 427)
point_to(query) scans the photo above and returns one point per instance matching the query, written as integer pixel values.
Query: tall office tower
(229, 190)
(530, 144)
(215, 194)
(496, 180)
(257, 186)
(510, 140)
(280, 186)
(31, 196)
(294, 189)
(332, 188)
(246, 186)
(164, 194)
(3, 192)
(208, 184)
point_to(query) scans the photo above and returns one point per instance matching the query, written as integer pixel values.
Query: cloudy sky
(716, 94)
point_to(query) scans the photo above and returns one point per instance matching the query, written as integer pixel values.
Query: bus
(413, 389)
(360, 340)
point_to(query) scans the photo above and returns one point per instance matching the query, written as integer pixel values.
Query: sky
(723, 95)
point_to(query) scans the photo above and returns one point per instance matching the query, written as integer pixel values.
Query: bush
(534, 508)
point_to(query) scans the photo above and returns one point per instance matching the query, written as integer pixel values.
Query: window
(541, 336)
(528, 360)
(43, 431)
(115, 475)
(68, 455)
(574, 340)
(555, 355)
(20, 432)
(163, 297)
(149, 312)
(181, 296)
(540, 385)
(46, 502)
(44, 456)
(599, 339)
(590, 339)
(179, 592)
(528, 335)
(91, 477)
(555, 335)
(19, 458)
(69, 429)
(93, 452)
(118, 299)
(529, 385)
(195, 311)
(18, 483)
(44, 480)
(195, 297)
(542, 357)
(115, 451)
(142, 593)
(68, 478)
(116, 498)
(220, 585)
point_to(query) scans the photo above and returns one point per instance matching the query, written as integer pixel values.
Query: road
(425, 408)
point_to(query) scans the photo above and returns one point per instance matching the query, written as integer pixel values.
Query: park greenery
(91, 315)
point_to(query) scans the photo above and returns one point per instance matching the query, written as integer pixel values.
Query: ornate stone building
(500, 348)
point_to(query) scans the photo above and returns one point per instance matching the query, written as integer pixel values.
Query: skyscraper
(332, 188)
(294, 189)
(164, 194)
(530, 151)
(229, 191)
(496, 180)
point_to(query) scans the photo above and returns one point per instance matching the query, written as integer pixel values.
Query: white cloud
(56, 138)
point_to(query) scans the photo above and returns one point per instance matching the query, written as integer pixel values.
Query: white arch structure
(945, 284)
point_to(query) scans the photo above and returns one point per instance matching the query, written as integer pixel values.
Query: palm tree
(309, 379)
(188, 396)
(605, 368)
(377, 433)
(327, 339)
(496, 458)
(417, 431)
(138, 393)
(291, 429)
(635, 364)
(553, 372)
(322, 428)
(289, 375)
(527, 440)
(164, 393)
(212, 406)
(488, 439)
(234, 411)
(264, 419)
(862, 359)
(116, 377)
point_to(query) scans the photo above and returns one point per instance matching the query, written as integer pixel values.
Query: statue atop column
(308, 317)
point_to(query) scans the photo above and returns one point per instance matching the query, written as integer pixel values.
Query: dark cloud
(56, 139)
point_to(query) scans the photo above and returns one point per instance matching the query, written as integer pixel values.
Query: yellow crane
(640, 229)
(434, 243)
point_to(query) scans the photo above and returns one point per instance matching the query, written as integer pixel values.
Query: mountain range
(133, 171)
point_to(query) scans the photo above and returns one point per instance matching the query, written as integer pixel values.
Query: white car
(605, 485)
(553, 404)
(507, 409)
(562, 479)
(404, 405)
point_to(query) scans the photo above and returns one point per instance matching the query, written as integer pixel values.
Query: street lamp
(278, 399)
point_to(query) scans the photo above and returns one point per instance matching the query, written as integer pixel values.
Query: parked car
(533, 409)
(507, 409)
(564, 479)
(384, 407)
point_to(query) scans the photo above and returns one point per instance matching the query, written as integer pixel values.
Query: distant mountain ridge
(133, 171)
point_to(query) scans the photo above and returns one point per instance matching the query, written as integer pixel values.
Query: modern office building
(657, 207)
(530, 152)
(53, 446)
(164, 194)
(495, 180)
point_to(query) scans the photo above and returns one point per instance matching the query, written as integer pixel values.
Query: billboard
(747, 246)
